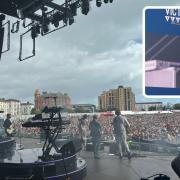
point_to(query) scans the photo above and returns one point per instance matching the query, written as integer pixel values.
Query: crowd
(159, 126)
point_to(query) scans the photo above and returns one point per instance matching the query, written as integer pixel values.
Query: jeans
(96, 144)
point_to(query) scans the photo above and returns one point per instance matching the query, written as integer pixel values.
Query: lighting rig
(45, 17)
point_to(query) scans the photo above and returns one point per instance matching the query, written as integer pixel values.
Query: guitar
(10, 130)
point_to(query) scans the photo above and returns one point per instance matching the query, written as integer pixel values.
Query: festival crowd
(159, 126)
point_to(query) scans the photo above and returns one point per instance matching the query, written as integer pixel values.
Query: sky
(98, 52)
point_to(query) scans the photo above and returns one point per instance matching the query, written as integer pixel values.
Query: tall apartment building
(51, 100)
(121, 98)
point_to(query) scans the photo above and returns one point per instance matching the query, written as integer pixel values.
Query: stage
(110, 167)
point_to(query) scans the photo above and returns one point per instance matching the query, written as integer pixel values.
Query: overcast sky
(99, 52)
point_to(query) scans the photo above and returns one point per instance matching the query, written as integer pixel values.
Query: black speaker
(176, 165)
(1, 40)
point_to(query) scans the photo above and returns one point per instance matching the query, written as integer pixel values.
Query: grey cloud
(96, 53)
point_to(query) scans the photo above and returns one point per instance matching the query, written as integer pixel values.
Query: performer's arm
(126, 122)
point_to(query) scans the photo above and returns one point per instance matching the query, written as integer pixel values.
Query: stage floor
(110, 167)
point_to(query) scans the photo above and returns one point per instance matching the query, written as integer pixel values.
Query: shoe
(96, 157)
(120, 157)
(129, 156)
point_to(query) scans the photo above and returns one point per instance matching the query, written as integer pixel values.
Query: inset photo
(161, 60)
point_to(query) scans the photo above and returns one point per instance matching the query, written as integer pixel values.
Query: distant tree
(176, 106)
(33, 111)
(111, 109)
(81, 110)
(101, 110)
(142, 109)
(70, 110)
(164, 108)
(152, 108)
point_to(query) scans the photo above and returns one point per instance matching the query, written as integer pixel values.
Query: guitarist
(120, 125)
(7, 125)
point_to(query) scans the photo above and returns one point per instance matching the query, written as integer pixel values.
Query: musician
(83, 130)
(7, 125)
(95, 133)
(120, 124)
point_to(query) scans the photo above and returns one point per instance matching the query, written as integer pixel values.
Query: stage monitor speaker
(176, 165)
(1, 40)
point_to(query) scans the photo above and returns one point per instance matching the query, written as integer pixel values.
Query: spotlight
(45, 28)
(106, 1)
(73, 9)
(71, 19)
(56, 18)
(98, 3)
(111, 1)
(2, 17)
(65, 19)
(85, 7)
(38, 28)
(45, 24)
(33, 32)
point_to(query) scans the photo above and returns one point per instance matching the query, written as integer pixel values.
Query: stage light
(2, 17)
(38, 28)
(65, 19)
(98, 3)
(56, 18)
(106, 1)
(33, 32)
(111, 1)
(71, 19)
(45, 28)
(85, 7)
(73, 9)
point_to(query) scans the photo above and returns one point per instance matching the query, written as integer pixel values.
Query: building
(51, 99)
(146, 105)
(4, 106)
(14, 107)
(89, 108)
(26, 108)
(11, 106)
(121, 98)
(37, 100)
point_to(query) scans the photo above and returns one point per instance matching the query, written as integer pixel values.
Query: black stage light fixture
(65, 19)
(73, 9)
(2, 18)
(45, 28)
(33, 32)
(38, 28)
(85, 7)
(56, 18)
(106, 1)
(98, 3)
(71, 19)
(111, 1)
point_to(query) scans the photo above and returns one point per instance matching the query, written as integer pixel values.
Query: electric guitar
(10, 130)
